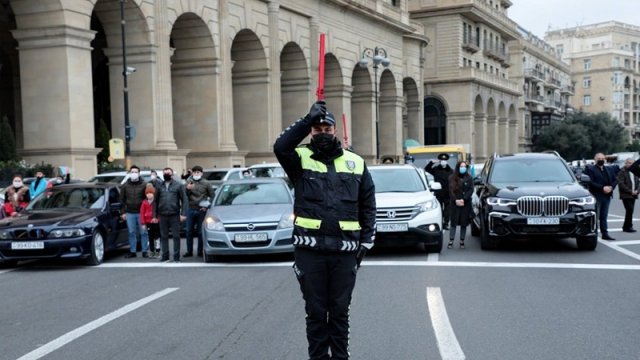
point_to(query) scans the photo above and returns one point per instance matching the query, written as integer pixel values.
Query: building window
(560, 49)
(617, 78)
(586, 100)
(617, 97)
(478, 64)
(586, 82)
(587, 64)
(616, 62)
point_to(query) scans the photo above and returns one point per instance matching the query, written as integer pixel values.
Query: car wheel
(435, 248)
(208, 258)
(587, 242)
(8, 264)
(487, 242)
(97, 249)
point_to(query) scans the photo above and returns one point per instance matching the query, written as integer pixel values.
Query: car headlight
(214, 224)
(286, 221)
(4, 235)
(428, 205)
(582, 201)
(496, 201)
(66, 233)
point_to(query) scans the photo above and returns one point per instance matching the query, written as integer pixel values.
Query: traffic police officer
(335, 214)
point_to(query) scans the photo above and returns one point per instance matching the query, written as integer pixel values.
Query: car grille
(28, 234)
(251, 226)
(396, 214)
(543, 206)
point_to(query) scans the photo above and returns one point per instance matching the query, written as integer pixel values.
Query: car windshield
(69, 198)
(215, 175)
(520, 171)
(268, 172)
(253, 193)
(396, 180)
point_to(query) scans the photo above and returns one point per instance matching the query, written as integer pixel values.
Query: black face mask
(167, 177)
(600, 162)
(323, 141)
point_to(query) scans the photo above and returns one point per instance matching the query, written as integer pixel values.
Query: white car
(407, 211)
(216, 176)
(267, 170)
(121, 177)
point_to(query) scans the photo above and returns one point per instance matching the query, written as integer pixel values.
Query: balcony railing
(495, 52)
(534, 98)
(533, 74)
(568, 89)
(554, 83)
(470, 43)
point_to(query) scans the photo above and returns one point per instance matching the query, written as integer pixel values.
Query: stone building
(216, 81)
(605, 64)
(470, 96)
(546, 84)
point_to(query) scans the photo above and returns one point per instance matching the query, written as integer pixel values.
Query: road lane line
(620, 249)
(367, 263)
(433, 257)
(445, 336)
(626, 242)
(83, 330)
(5, 271)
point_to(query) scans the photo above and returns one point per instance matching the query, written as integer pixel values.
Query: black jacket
(598, 181)
(132, 195)
(441, 175)
(330, 196)
(625, 186)
(171, 200)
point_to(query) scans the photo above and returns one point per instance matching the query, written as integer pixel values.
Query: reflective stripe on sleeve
(308, 223)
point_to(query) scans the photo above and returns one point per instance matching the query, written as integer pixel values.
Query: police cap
(443, 156)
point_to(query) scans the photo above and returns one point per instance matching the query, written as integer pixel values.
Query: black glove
(362, 251)
(317, 112)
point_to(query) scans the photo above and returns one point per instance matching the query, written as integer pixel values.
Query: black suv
(533, 195)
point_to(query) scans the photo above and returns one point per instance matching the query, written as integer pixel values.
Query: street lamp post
(379, 57)
(125, 91)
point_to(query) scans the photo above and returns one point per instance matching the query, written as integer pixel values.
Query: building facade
(470, 96)
(215, 81)
(546, 85)
(604, 60)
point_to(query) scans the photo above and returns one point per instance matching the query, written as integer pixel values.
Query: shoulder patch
(351, 164)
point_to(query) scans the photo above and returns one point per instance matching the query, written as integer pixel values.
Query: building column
(340, 99)
(503, 136)
(460, 127)
(415, 127)
(480, 138)
(56, 84)
(513, 136)
(363, 135)
(390, 126)
(492, 135)
(226, 136)
(275, 98)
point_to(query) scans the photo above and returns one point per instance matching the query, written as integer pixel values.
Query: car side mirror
(204, 204)
(436, 186)
(478, 180)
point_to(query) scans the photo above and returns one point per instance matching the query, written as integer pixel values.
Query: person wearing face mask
(39, 185)
(460, 193)
(441, 172)
(16, 198)
(334, 225)
(170, 209)
(131, 197)
(198, 190)
(603, 181)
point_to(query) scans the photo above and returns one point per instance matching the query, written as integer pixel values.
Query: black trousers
(628, 213)
(326, 281)
(445, 205)
(170, 222)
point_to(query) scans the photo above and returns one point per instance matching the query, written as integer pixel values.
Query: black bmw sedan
(75, 221)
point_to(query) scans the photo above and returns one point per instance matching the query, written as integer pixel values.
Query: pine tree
(102, 141)
(7, 141)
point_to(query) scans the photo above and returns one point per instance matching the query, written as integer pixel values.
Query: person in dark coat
(460, 193)
(629, 184)
(603, 181)
(441, 171)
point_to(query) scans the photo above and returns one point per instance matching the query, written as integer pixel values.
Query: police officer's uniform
(334, 216)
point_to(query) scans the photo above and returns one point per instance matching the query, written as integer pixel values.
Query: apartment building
(604, 61)
(546, 84)
(471, 96)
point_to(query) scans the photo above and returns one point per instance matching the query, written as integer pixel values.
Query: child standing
(147, 221)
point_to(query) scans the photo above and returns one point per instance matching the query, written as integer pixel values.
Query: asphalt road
(526, 300)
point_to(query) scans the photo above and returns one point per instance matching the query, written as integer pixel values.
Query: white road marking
(626, 242)
(366, 263)
(615, 246)
(5, 271)
(433, 257)
(83, 330)
(445, 336)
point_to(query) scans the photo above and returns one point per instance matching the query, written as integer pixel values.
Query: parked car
(407, 211)
(69, 222)
(216, 176)
(121, 177)
(249, 216)
(534, 195)
(267, 170)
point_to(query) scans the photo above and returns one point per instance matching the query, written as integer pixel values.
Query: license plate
(392, 227)
(251, 237)
(543, 221)
(27, 245)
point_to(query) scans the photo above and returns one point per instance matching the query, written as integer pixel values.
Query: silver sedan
(249, 216)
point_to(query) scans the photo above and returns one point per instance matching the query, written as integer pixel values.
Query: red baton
(320, 90)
